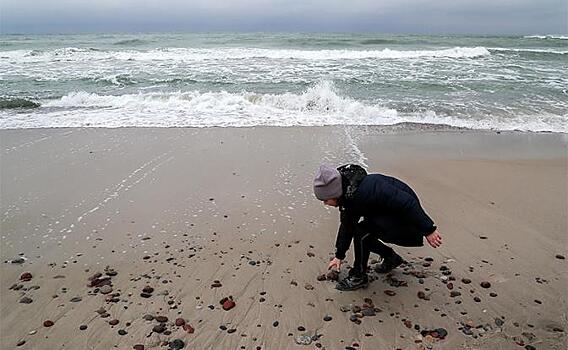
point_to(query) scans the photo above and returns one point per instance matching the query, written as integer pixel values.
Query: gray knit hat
(327, 183)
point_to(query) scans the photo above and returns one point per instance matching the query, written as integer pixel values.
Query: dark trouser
(366, 242)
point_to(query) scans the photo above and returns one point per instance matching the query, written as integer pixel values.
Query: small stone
(529, 347)
(368, 311)
(148, 290)
(228, 304)
(327, 318)
(26, 277)
(145, 295)
(332, 275)
(275, 324)
(538, 301)
(180, 322)
(223, 327)
(477, 299)
(148, 317)
(159, 328)
(309, 286)
(301, 328)
(122, 332)
(188, 328)
(83, 327)
(561, 257)
(321, 277)
(454, 293)
(493, 294)
(17, 261)
(345, 308)
(21, 342)
(75, 299)
(26, 300)
(390, 293)
(177, 344)
(106, 289)
(48, 323)
(161, 319)
(216, 284)
(499, 322)
(113, 322)
(252, 262)
(485, 284)
(231, 330)
(466, 281)
(138, 347)
(429, 259)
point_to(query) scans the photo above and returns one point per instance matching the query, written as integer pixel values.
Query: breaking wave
(319, 105)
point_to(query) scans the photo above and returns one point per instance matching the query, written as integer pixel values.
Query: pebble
(455, 293)
(223, 327)
(106, 289)
(113, 322)
(561, 257)
(161, 319)
(83, 327)
(466, 281)
(275, 324)
(48, 323)
(26, 300)
(477, 299)
(148, 317)
(332, 275)
(301, 328)
(26, 277)
(122, 332)
(390, 293)
(529, 347)
(231, 330)
(216, 284)
(159, 328)
(148, 289)
(138, 347)
(493, 294)
(145, 295)
(17, 261)
(180, 322)
(321, 277)
(177, 344)
(32, 332)
(327, 318)
(228, 304)
(485, 284)
(309, 286)
(188, 328)
(21, 342)
(75, 299)
(368, 311)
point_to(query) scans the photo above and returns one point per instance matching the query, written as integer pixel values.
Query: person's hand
(334, 264)
(434, 239)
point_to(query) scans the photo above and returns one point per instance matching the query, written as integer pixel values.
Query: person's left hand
(434, 239)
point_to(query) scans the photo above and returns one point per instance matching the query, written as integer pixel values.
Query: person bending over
(373, 208)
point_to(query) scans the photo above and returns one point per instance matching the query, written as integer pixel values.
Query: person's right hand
(334, 264)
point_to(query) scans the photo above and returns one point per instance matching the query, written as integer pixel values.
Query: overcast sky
(388, 16)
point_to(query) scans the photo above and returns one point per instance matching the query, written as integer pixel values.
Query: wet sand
(199, 215)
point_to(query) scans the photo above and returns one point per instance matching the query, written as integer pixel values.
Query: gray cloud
(408, 16)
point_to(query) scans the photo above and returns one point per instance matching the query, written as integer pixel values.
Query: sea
(284, 79)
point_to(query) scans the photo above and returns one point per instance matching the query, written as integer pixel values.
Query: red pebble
(180, 322)
(228, 305)
(188, 328)
(26, 276)
(48, 323)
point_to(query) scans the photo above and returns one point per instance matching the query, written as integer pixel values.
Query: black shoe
(353, 283)
(389, 263)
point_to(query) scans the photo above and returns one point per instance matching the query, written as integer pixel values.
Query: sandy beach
(119, 228)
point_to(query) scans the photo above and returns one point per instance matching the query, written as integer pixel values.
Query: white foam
(202, 54)
(549, 36)
(318, 105)
(559, 52)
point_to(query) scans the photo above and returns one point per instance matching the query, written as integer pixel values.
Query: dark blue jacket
(385, 206)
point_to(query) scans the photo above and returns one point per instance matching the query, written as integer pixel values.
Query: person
(374, 208)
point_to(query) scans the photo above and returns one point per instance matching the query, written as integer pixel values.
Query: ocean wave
(194, 54)
(13, 103)
(318, 105)
(130, 42)
(544, 51)
(558, 37)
